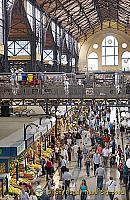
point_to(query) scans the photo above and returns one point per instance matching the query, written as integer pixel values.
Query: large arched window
(126, 61)
(110, 51)
(92, 62)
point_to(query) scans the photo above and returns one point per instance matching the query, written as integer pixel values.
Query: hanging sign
(49, 126)
(29, 141)
(20, 148)
(44, 130)
(37, 136)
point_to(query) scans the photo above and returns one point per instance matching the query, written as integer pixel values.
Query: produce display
(14, 191)
(47, 153)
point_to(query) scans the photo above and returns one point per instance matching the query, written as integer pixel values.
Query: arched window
(110, 51)
(126, 61)
(92, 61)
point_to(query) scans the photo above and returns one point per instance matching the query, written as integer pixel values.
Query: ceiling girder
(79, 17)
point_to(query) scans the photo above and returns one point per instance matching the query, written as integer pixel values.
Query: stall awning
(13, 151)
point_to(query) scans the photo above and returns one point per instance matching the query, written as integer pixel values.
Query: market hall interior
(65, 99)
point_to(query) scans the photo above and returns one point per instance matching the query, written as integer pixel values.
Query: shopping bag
(88, 197)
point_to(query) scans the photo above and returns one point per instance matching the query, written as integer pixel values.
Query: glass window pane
(103, 61)
(48, 55)
(110, 41)
(103, 51)
(37, 14)
(92, 64)
(116, 51)
(109, 51)
(110, 60)
(58, 30)
(116, 60)
(1, 35)
(126, 54)
(53, 26)
(54, 35)
(93, 55)
(30, 19)
(1, 6)
(29, 8)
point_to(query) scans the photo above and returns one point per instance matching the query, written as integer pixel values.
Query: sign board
(29, 141)
(37, 136)
(49, 126)
(44, 130)
(20, 148)
(1, 151)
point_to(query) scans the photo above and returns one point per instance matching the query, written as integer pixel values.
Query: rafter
(79, 17)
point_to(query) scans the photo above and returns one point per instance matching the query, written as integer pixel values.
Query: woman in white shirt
(111, 186)
(33, 196)
(72, 190)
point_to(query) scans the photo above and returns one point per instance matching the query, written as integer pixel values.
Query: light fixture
(95, 46)
(124, 45)
(50, 62)
(109, 41)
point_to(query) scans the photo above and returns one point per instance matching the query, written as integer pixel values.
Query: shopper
(72, 190)
(85, 151)
(51, 187)
(48, 168)
(125, 174)
(64, 153)
(100, 173)
(120, 169)
(99, 149)
(119, 152)
(96, 161)
(44, 196)
(59, 193)
(83, 190)
(63, 166)
(127, 152)
(75, 149)
(43, 162)
(66, 180)
(113, 145)
(111, 185)
(38, 186)
(33, 196)
(24, 195)
(69, 151)
(87, 163)
(105, 154)
(78, 138)
(57, 152)
(80, 157)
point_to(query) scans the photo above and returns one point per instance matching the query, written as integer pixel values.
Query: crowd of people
(92, 142)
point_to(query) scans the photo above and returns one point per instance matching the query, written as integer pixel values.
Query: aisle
(78, 175)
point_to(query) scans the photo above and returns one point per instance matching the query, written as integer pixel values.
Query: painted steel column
(128, 105)
(33, 44)
(60, 50)
(42, 41)
(5, 6)
(55, 50)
